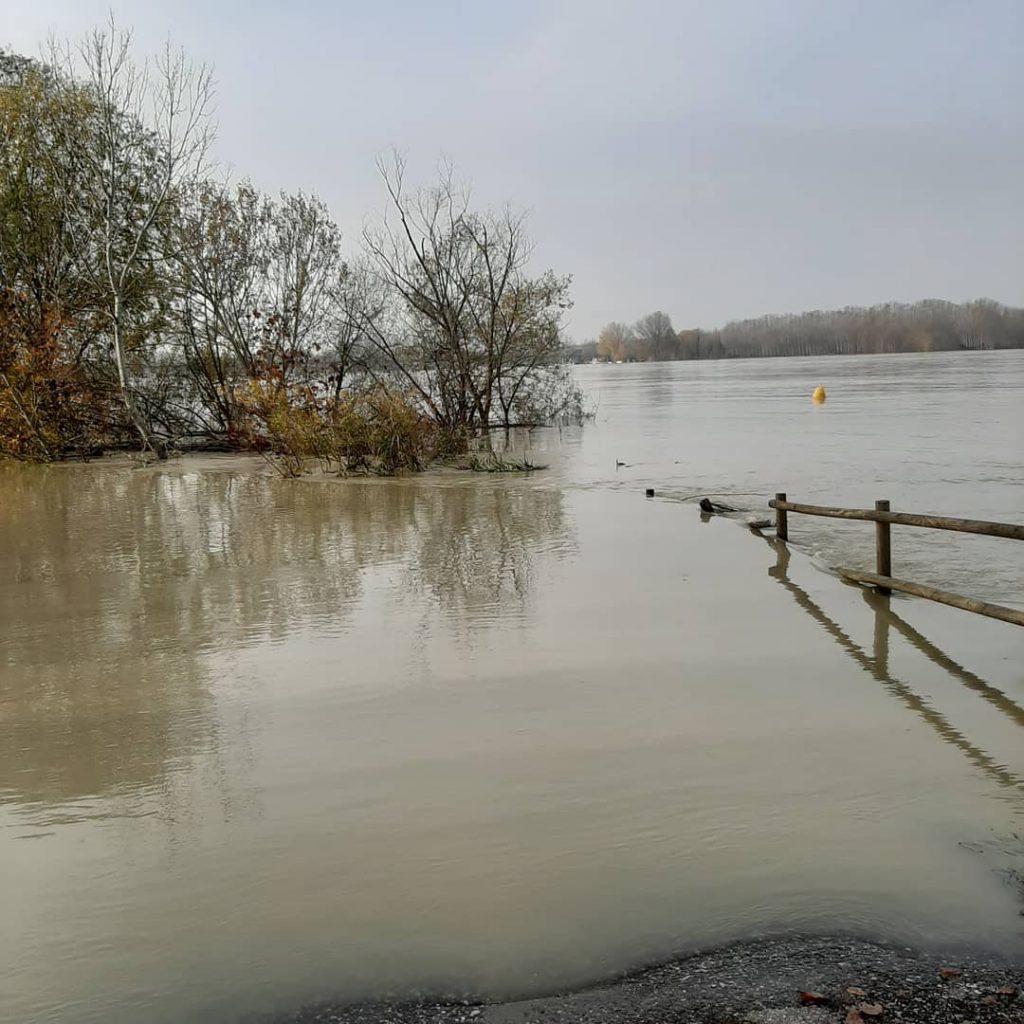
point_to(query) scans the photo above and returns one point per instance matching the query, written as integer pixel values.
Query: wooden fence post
(883, 548)
(781, 522)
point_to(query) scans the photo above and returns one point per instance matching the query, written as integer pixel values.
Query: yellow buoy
(818, 395)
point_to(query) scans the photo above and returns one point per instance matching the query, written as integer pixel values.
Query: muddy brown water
(268, 742)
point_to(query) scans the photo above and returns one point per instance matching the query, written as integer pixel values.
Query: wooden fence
(884, 518)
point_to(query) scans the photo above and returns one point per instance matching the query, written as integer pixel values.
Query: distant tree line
(929, 326)
(147, 303)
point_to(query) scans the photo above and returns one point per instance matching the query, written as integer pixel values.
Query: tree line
(148, 303)
(928, 326)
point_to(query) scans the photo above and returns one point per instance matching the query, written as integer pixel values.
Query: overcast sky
(716, 160)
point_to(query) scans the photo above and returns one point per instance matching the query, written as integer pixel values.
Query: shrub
(376, 431)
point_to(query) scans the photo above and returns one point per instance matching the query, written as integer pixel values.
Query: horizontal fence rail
(981, 526)
(969, 604)
(884, 518)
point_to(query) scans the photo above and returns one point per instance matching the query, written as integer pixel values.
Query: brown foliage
(376, 431)
(48, 407)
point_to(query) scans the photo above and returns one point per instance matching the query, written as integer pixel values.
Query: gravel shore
(790, 981)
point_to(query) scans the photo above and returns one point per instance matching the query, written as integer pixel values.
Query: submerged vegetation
(492, 462)
(145, 304)
(368, 431)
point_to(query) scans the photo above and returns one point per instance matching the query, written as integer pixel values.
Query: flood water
(941, 433)
(265, 743)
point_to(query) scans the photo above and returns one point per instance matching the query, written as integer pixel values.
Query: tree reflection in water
(115, 585)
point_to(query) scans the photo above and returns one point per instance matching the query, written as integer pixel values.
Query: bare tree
(450, 308)
(149, 133)
(656, 338)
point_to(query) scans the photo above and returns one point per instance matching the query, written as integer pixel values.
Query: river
(265, 743)
(939, 433)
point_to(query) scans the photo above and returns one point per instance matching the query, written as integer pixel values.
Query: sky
(715, 160)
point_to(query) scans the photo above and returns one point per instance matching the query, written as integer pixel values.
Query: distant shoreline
(931, 325)
(796, 355)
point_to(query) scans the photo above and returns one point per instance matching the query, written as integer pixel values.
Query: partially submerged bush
(378, 432)
(375, 431)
